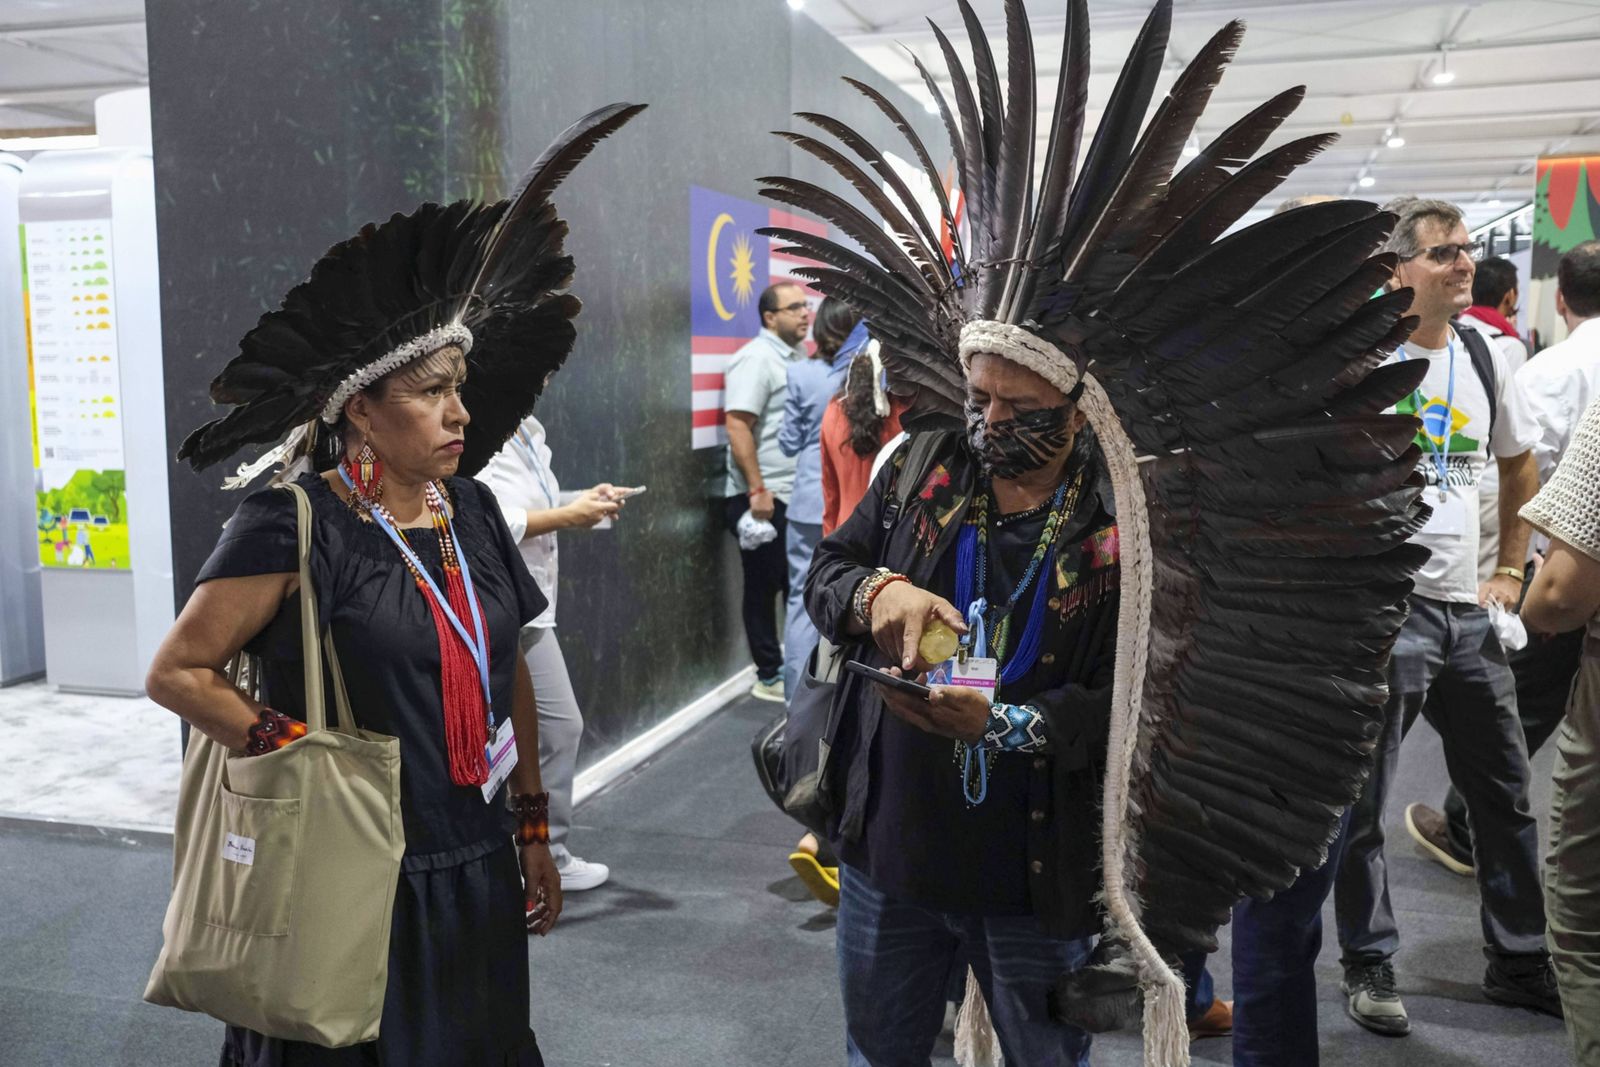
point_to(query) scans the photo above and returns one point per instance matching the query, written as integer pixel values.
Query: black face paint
(1021, 444)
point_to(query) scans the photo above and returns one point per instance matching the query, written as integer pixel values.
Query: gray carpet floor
(701, 950)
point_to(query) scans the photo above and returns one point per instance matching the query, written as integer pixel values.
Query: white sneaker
(772, 690)
(579, 874)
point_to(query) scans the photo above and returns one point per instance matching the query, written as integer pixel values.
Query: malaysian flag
(729, 265)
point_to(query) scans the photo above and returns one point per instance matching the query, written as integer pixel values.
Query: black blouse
(388, 647)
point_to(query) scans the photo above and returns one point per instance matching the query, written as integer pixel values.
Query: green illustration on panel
(1566, 209)
(85, 522)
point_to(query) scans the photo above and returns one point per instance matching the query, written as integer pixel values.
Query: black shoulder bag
(792, 751)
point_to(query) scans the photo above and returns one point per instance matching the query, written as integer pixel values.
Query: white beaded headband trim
(1012, 342)
(432, 341)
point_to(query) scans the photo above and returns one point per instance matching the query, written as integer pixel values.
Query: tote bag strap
(316, 713)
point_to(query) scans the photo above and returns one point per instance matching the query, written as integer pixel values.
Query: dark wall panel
(283, 126)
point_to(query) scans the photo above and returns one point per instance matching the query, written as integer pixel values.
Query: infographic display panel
(77, 396)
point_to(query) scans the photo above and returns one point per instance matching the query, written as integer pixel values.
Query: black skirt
(458, 975)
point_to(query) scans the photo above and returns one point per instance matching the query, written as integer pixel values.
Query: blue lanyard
(977, 631)
(524, 444)
(971, 585)
(972, 578)
(1441, 453)
(480, 647)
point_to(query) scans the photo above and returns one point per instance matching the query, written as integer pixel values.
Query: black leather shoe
(1523, 982)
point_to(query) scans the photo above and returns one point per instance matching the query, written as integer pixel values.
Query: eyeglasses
(1444, 255)
(795, 308)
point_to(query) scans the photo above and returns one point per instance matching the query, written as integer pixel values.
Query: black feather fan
(499, 270)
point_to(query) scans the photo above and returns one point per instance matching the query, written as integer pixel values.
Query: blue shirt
(811, 384)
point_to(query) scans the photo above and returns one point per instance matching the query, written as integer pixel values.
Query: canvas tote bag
(285, 867)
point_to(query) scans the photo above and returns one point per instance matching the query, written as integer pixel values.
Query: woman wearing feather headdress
(405, 361)
(1262, 499)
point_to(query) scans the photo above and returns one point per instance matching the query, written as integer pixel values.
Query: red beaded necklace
(466, 729)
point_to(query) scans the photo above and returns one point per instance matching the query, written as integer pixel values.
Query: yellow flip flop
(823, 882)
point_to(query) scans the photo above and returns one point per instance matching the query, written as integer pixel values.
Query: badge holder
(973, 668)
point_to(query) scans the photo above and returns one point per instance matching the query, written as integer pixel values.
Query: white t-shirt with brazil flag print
(1455, 430)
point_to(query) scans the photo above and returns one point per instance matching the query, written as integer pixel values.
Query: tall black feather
(547, 172)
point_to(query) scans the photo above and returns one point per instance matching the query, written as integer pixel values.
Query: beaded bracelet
(868, 591)
(271, 731)
(1015, 728)
(533, 817)
(886, 582)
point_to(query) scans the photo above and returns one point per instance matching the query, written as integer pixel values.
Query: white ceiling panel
(56, 56)
(1526, 82)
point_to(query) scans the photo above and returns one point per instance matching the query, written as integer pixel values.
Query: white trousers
(560, 726)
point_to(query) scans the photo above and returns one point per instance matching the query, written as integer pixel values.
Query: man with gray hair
(1448, 663)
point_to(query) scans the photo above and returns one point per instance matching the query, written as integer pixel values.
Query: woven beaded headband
(428, 343)
(1012, 342)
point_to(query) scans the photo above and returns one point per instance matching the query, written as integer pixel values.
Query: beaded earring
(366, 471)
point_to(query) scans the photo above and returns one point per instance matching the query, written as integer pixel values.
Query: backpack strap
(1483, 363)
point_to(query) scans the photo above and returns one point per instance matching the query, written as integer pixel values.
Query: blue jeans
(799, 635)
(1199, 991)
(894, 966)
(1275, 948)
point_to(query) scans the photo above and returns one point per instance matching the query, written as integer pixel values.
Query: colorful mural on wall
(1566, 213)
(1566, 209)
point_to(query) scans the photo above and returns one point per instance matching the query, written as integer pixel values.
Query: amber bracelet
(271, 731)
(533, 817)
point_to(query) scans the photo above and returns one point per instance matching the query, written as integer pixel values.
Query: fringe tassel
(880, 399)
(249, 472)
(977, 1044)
(466, 730)
(1166, 1030)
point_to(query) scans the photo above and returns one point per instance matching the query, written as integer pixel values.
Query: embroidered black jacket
(898, 811)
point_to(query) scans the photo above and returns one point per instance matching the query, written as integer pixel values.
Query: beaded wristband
(865, 591)
(271, 731)
(1015, 728)
(886, 581)
(533, 817)
(868, 591)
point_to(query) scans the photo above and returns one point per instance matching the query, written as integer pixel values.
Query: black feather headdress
(489, 278)
(1264, 501)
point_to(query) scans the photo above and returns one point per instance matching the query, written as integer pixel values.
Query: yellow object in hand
(939, 642)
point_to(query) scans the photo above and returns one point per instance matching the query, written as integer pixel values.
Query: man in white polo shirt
(1447, 662)
(760, 476)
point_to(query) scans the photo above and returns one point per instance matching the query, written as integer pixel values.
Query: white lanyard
(524, 444)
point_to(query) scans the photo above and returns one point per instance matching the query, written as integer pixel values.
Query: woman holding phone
(530, 498)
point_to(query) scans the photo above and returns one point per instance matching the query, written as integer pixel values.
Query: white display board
(91, 273)
(78, 425)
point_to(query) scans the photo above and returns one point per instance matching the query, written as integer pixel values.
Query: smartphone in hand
(904, 685)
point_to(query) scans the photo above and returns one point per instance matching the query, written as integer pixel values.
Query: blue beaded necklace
(972, 575)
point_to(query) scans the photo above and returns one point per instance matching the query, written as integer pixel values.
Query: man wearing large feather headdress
(978, 830)
(1233, 389)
